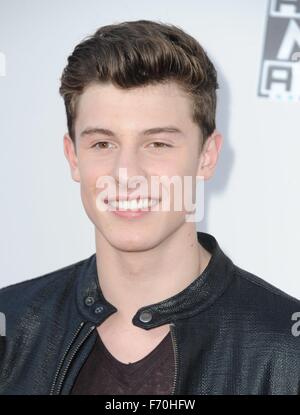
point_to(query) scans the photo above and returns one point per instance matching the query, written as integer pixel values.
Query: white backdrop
(252, 204)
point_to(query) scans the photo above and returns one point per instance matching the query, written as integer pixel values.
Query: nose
(128, 170)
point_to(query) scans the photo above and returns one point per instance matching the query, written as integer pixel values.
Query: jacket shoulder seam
(65, 269)
(263, 284)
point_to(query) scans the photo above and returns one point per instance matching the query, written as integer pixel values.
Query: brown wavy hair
(137, 53)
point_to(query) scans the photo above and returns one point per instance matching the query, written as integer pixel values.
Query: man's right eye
(102, 143)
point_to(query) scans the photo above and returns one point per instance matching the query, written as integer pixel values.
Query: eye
(161, 145)
(102, 143)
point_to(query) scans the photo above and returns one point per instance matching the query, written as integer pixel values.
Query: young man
(159, 308)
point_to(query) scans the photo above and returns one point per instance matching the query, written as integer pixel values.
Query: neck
(131, 280)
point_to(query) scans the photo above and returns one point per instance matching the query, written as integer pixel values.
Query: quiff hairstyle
(139, 53)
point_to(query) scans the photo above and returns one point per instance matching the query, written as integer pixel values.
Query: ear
(209, 155)
(70, 154)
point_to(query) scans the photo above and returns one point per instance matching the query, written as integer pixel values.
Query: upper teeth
(133, 204)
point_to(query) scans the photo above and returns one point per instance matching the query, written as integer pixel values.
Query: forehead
(101, 102)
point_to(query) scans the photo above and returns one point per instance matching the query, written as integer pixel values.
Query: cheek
(179, 169)
(88, 181)
(88, 187)
(90, 171)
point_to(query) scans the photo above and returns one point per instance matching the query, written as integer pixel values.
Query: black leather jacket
(231, 330)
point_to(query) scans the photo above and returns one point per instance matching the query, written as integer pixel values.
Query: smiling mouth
(134, 205)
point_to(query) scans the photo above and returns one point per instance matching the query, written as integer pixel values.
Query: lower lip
(131, 213)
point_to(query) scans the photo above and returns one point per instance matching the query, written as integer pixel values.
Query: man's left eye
(160, 144)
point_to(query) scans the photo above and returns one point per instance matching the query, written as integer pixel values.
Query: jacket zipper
(176, 356)
(91, 329)
(64, 356)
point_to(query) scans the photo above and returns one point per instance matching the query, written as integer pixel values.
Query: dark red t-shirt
(102, 374)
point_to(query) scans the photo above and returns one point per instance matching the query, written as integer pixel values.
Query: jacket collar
(196, 297)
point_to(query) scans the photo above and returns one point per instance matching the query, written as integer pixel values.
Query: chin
(137, 235)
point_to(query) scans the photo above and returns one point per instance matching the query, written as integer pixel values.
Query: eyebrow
(104, 131)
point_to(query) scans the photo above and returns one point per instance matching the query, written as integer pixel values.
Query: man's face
(127, 114)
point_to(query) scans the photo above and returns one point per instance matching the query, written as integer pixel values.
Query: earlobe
(70, 154)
